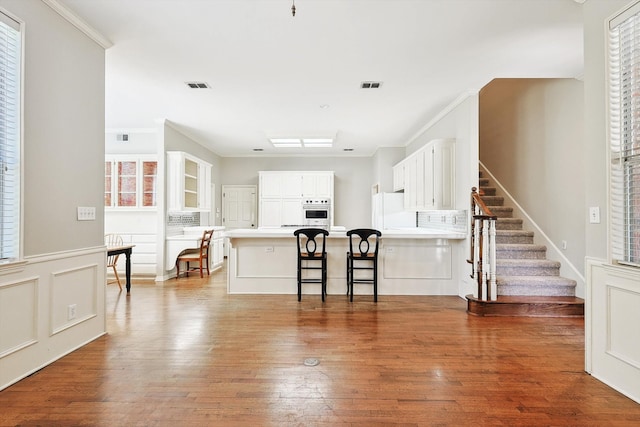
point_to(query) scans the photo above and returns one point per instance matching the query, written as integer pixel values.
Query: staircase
(528, 283)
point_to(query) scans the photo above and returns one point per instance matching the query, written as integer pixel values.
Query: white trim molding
(79, 23)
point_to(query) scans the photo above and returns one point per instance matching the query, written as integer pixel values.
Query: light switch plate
(86, 213)
(594, 215)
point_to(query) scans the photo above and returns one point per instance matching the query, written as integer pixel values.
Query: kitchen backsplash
(176, 221)
(443, 220)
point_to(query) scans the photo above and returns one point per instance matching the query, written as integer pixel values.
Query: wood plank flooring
(187, 354)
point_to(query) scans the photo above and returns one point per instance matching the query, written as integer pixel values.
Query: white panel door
(239, 206)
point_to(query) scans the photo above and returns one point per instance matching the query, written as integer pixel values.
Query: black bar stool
(364, 257)
(312, 255)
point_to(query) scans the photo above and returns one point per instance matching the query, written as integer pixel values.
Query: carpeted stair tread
(535, 285)
(488, 191)
(508, 224)
(520, 251)
(491, 201)
(514, 236)
(502, 211)
(527, 267)
(527, 262)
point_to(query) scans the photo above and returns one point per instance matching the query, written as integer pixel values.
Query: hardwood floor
(188, 354)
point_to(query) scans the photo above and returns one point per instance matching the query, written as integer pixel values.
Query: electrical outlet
(71, 312)
(86, 213)
(268, 249)
(564, 244)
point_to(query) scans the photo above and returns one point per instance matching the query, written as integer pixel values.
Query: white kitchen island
(411, 262)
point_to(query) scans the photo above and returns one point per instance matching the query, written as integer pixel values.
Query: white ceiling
(270, 72)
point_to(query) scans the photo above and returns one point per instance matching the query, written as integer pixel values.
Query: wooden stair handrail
(476, 200)
(483, 215)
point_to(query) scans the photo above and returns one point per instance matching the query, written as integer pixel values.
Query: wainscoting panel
(73, 296)
(611, 326)
(37, 325)
(19, 309)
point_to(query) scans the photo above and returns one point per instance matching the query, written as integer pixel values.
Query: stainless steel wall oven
(316, 213)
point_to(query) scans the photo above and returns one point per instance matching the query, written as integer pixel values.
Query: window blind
(9, 137)
(624, 136)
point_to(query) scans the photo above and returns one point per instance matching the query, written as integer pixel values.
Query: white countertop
(397, 233)
(191, 233)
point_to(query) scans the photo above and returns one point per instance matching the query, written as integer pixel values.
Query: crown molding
(449, 108)
(79, 23)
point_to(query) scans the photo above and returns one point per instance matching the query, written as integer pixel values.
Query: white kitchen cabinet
(217, 251)
(410, 183)
(428, 177)
(291, 185)
(281, 194)
(274, 184)
(317, 185)
(270, 214)
(189, 183)
(439, 177)
(414, 172)
(279, 212)
(204, 186)
(270, 185)
(291, 212)
(398, 176)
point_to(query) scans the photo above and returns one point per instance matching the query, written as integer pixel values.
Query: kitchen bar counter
(411, 262)
(339, 232)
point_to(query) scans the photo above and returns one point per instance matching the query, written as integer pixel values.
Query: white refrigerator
(387, 211)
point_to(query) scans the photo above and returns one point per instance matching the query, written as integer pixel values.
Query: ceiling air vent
(198, 85)
(370, 85)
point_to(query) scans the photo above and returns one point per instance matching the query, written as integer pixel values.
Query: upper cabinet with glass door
(188, 183)
(130, 182)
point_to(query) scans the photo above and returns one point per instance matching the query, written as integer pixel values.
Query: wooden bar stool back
(363, 256)
(312, 255)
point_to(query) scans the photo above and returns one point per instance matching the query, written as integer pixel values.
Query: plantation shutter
(9, 137)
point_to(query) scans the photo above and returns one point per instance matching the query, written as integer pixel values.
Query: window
(9, 138)
(130, 182)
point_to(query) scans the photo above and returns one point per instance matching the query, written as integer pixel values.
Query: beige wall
(595, 130)
(531, 140)
(63, 145)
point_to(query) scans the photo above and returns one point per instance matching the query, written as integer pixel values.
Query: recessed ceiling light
(318, 142)
(286, 142)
